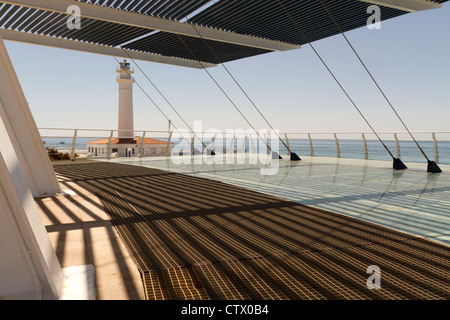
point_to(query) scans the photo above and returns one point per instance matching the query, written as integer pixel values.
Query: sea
(409, 152)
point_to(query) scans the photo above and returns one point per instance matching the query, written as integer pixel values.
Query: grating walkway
(195, 238)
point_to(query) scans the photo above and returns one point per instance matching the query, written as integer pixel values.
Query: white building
(129, 148)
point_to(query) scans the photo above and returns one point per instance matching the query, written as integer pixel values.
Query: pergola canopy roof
(184, 32)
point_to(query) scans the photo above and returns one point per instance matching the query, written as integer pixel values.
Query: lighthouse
(125, 81)
(127, 144)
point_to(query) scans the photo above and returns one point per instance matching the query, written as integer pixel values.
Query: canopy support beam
(98, 49)
(153, 23)
(406, 5)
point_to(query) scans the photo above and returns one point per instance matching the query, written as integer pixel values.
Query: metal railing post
(287, 143)
(141, 146)
(338, 151)
(436, 151)
(232, 145)
(397, 145)
(311, 150)
(249, 141)
(252, 144)
(366, 150)
(213, 142)
(109, 151)
(168, 152)
(74, 142)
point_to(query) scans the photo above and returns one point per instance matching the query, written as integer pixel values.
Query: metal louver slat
(18, 17)
(235, 29)
(33, 19)
(267, 19)
(45, 24)
(8, 14)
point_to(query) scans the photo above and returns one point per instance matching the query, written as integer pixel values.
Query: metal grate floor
(194, 238)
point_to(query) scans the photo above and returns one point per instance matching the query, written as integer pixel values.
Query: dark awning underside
(258, 18)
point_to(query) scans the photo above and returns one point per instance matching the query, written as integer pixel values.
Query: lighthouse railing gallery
(358, 145)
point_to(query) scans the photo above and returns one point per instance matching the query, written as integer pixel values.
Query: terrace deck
(195, 238)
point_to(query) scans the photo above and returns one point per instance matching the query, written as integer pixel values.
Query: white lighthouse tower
(126, 123)
(127, 144)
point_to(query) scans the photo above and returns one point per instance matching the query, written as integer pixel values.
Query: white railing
(435, 143)
(364, 145)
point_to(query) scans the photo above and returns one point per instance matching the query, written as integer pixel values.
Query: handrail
(288, 133)
(309, 138)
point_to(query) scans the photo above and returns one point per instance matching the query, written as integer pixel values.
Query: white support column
(29, 268)
(23, 132)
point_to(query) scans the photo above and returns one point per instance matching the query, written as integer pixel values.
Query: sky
(409, 57)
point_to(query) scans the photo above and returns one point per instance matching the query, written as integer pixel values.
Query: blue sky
(408, 56)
